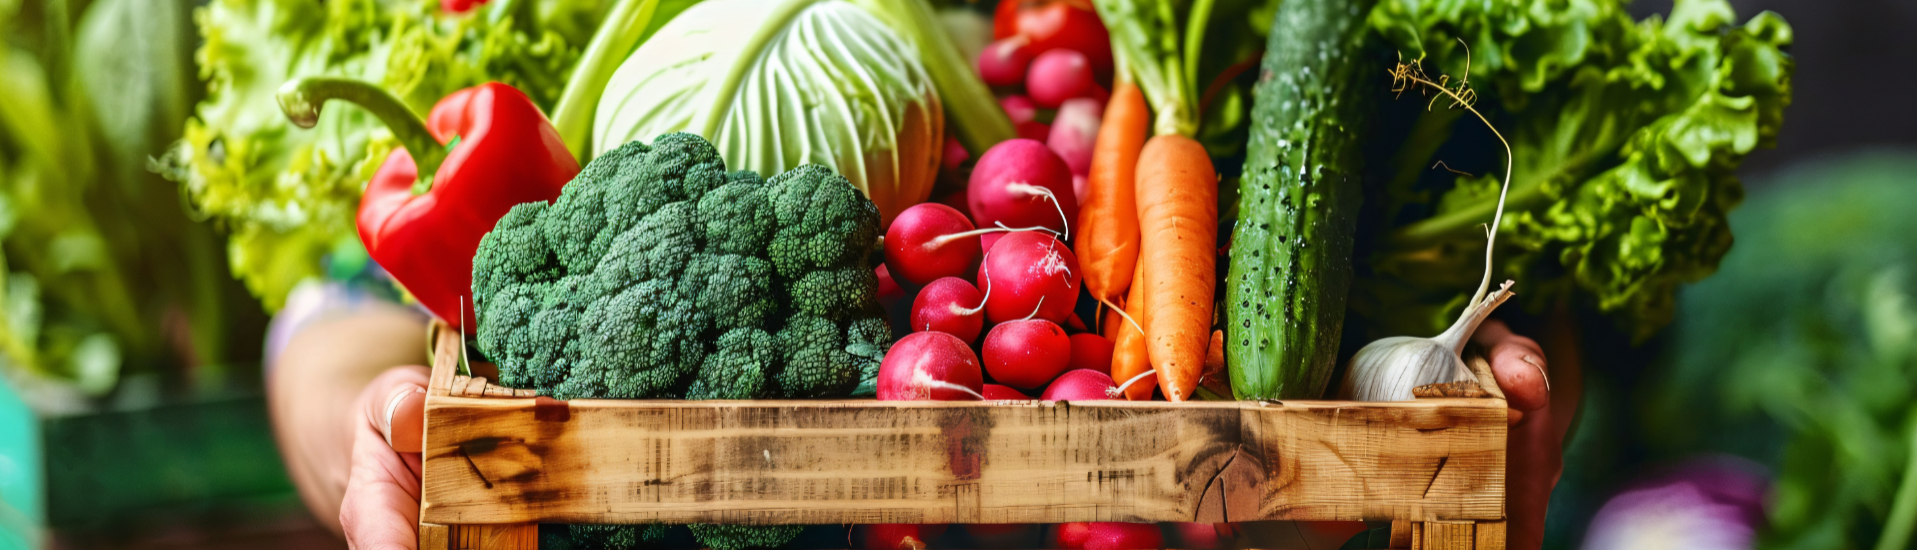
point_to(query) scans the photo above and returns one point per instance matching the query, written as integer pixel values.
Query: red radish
(1053, 24)
(1080, 189)
(1032, 129)
(1123, 536)
(928, 241)
(1019, 108)
(950, 305)
(1197, 536)
(1071, 535)
(900, 536)
(1079, 385)
(988, 240)
(1020, 183)
(1033, 275)
(889, 290)
(929, 366)
(921, 244)
(953, 154)
(1090, 351)
(1004, 62)
(1074, 128)
(1059, 75)
(1026, 353)
(994, 392)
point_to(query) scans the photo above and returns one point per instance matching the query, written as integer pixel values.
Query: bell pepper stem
(301, 99)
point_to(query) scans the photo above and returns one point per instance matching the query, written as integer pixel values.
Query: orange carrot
(1179, 217)
(1130, 347)
(1108, 231)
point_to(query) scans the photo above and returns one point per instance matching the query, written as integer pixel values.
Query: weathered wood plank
(523, 536)
(1490, 535)
(492, 460)
(1445, 535)
(433, 536)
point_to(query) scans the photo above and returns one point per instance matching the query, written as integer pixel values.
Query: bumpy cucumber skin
(1291, 259)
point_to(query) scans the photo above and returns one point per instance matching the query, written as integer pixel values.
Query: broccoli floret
(834, 293)
(738, 368)
(739, 220)
(647, 339)
(513, 253)
(823, 221)
(817, 363)
(683, 167)
(733, 290)
(743, 537)
(573, 225)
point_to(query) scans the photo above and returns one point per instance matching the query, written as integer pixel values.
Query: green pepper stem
(301, 99)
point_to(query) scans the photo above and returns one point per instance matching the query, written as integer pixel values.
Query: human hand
(381, 509)
(1536, 424)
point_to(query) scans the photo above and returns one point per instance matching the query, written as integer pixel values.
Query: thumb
(397, 407)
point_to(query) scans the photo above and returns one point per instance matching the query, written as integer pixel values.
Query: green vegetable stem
(302, 98)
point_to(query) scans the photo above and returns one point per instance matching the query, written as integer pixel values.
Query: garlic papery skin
(1390, 368)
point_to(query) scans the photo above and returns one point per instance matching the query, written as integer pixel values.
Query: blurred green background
(132, 413)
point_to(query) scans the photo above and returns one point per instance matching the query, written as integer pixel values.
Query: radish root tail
(1123, 315)
(1122, 389)
(1038, 191)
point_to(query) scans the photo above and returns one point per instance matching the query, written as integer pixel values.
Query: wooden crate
(497, 462)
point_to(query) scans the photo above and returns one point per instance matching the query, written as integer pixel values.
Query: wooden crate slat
(490, 461)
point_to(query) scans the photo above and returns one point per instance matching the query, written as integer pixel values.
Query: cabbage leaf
(779, 83)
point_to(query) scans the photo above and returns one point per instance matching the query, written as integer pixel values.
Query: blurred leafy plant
(103, 268)
(1801, 354)
(285, 196)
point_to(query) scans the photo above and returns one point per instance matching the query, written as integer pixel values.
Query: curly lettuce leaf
(287, 196)
(1625, 139)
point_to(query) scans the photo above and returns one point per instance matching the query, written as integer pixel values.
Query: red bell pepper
(485, 149)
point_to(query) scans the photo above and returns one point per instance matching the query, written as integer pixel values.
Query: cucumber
(1300, 194)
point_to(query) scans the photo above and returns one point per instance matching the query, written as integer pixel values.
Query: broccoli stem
(301, 99)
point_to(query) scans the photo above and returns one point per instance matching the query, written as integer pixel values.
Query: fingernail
(386, 420)
(1541, 366)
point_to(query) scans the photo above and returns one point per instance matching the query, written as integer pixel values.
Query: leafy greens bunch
(657, 273)
(102, 271)
(287, 197)
(1625, 137)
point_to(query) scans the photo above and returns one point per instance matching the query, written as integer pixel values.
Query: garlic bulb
(1390, 368)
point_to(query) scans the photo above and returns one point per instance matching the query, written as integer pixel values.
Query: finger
(394, 404)
(1518, 366)
(382, 504)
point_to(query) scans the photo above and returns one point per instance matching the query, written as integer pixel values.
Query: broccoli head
(744, 537)
(658, 273)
